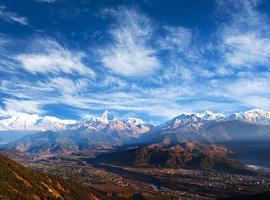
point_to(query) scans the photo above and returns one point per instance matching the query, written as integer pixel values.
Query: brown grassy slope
(19, 182)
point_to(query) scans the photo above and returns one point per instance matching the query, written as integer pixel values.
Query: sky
(151, 59)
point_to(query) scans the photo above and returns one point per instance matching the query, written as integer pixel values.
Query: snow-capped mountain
(208, 115)
(255, 116)
(108, 124)
(105, 118)
(193, 119)
(211, 127)
(107, 121)
(31, 122)
(196, 120)
(103, 130)
(107, 131)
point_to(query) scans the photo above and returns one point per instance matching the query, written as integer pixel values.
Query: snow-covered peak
(256, 116)
(105, 118)
(51, 119)
(108, 116)
(108, 124)
(20, 121)
(53, 123)
(134, 121)
(194, 119)
(32, 122)
(208, 115)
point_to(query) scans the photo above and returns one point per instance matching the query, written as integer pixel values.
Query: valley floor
(153, 183)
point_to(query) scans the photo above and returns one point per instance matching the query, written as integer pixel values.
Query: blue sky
(147, 59)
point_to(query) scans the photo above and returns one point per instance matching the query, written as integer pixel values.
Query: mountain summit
(193, 119)
(255, 116)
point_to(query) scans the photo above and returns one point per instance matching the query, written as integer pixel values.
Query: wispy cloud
(175, 38)
(130, 54)
(12, 17)
(49, 57)
(247, 50)
(245, 38)
(145, 67)
(14, 106)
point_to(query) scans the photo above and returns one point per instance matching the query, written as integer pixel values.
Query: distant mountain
(108, 131)
(236, 130)
(53, 135)
(44, 143)
(105, 123)
(29, 122)
(193, 120)
(183, 155)
(10, 136)
(108, 125)
(99, 133)
(32, 122)
(18, 182)
(255, 116)
(186, 128)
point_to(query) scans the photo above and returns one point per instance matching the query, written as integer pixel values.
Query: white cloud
(112, 81)
(14, 106)
(31, 97)
(252, 91)
(130, 54)
(247, 50)
(12, 17)
(250, 86)
(71, 87)
(175, 38)
(245, 38)
(191, 77)
(52, 58)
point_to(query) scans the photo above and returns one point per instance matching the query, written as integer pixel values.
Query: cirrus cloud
(53, 59)
(130, 54)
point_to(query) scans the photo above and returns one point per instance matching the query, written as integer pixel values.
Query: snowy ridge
(255, 116)
(194, 119)
(32, 122)
(106, 123)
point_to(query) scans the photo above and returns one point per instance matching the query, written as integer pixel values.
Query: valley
(193, 156)
(152, 183)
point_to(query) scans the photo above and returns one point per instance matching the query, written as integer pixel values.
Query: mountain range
(50, 135)
(33, 122)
